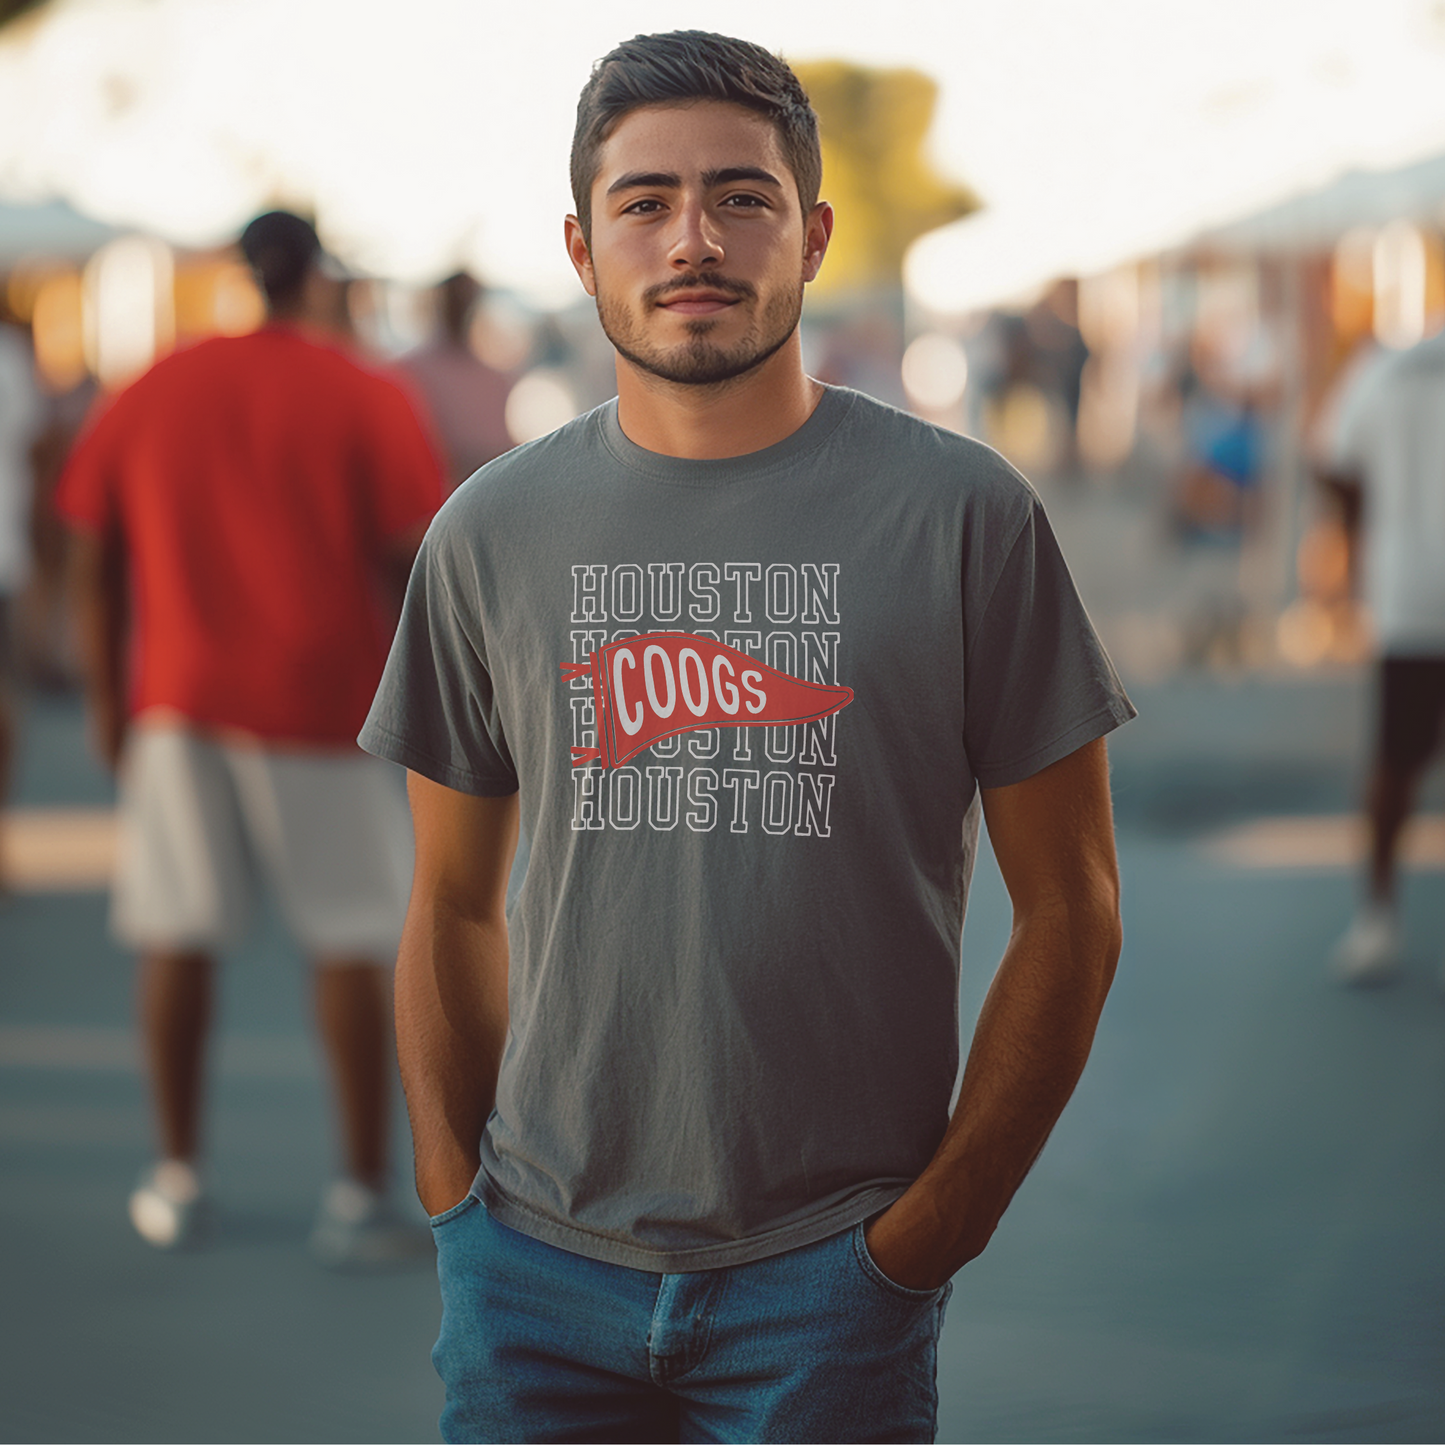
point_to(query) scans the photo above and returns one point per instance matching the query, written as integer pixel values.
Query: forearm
(1346, 500)
(99, 593)
(1033, 1038)
(451, 1025)
(1029, 1048)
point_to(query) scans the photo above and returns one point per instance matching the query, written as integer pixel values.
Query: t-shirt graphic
(772, 667)
(684, 682)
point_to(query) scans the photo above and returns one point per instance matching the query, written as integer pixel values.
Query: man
(682, 1116)
(467, 399)
(1384, 461)
(240, 512)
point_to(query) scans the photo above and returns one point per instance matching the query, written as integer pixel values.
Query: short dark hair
(683, 65)
(280, 248)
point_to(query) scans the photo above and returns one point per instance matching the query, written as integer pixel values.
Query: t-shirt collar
(833, 406)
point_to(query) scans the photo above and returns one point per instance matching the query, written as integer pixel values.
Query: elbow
(1113, 944)
(1081, 933)
(1099, 927)
(1109, 927)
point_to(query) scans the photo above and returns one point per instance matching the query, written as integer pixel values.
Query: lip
(698, 303)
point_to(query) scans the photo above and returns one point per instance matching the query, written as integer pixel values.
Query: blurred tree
(884, 187)
(13, 9)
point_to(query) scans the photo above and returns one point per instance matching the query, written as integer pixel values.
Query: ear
(579, 254)
(817, 232)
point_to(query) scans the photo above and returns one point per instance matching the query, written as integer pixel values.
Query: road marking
(74, 1126)
(94, 1050)
(1323, 843)
(101, 1049)
(60, 850)
(57, 850)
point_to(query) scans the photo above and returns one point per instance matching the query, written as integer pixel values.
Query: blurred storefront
(101, 305)
(1166, 404)
(1189, 388)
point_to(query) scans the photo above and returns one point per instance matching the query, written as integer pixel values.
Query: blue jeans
(816, 1344)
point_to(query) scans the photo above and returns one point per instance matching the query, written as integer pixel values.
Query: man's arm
(1053, 837)
(100, 595)
(451, 981)
(1344, 494)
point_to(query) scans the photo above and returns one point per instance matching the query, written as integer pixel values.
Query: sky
(436, 133)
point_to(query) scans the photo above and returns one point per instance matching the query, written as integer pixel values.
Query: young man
(239, 513)
(682, 1115)
(1384, 461)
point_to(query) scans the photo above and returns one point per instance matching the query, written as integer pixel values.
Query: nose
(696, 241)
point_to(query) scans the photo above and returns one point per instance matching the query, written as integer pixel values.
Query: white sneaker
(1369, 952)
(168, 1207)
(358, 1228)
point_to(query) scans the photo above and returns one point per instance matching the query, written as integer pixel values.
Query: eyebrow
(670, 180)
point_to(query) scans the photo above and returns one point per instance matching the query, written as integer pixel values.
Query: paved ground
(1233, 1235)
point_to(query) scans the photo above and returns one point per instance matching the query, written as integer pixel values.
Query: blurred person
(1059, 357)
(240, 515)
(466, 398)
(1021, 410)
(47, 633)
(331, 308)
(682, 1117)
(864, 352)
(20, 417)
(1225, 452)
(1381, 455)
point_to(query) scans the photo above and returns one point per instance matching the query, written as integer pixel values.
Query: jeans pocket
(869, 1268)
(447, 1215)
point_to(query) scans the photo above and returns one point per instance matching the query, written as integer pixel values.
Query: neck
(303, 322)
(728, 419)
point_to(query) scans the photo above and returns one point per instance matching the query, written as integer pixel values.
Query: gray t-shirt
(735, 957)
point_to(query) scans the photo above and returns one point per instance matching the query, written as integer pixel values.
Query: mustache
(725, 284)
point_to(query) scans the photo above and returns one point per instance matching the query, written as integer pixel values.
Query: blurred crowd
(1190, 389)
(457, 365)
(1183, 397)
(1199, 423)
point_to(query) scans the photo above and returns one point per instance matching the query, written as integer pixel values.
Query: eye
(645, 207)
(745, 201)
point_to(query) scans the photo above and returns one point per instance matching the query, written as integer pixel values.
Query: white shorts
(203, 823)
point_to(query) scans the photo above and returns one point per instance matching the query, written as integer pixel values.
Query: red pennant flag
(650, 687)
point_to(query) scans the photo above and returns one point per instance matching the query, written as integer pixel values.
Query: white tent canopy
(51, 229)
(1318, 219)
(1003, 257)
(436, 133)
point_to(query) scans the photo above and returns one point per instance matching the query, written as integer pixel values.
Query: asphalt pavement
(1234, 1233)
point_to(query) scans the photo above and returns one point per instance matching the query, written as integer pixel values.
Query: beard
(699, 361)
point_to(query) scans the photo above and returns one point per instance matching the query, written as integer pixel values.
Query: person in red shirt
(245, 515)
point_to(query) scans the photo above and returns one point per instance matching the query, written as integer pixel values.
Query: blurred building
(1192, 380)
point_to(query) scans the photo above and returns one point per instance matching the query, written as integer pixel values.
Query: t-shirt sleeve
(436, 709)
(1349, 439)
(1038, 683)
(406, 474)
